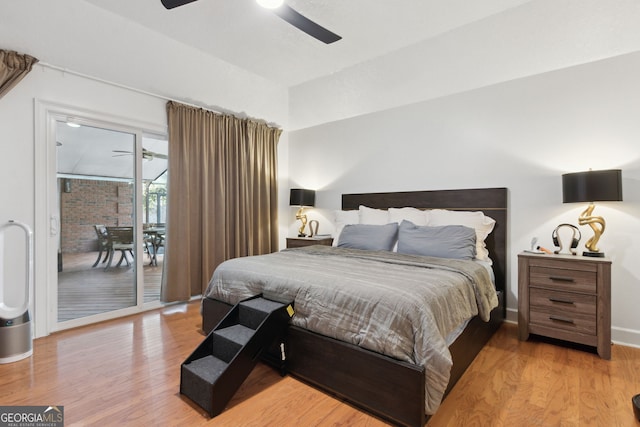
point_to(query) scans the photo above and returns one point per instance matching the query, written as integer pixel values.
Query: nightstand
(298, 242)
(565, 297)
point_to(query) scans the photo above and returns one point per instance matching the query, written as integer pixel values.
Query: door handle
(54, 225)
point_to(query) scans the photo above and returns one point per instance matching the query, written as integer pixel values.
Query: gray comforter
(402, 306)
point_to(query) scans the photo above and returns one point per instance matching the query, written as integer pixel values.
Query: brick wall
(88, 203)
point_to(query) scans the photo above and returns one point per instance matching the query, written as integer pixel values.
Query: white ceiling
(96, 153)
(243, 34)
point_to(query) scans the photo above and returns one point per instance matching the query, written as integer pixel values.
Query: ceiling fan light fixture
(270, 4)
(287, 13)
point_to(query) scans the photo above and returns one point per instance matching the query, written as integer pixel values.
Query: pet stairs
(218, 367)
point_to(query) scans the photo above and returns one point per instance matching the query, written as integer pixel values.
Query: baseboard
(628, 337)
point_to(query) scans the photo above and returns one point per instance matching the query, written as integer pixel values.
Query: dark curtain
(222, 195)
(13, 68)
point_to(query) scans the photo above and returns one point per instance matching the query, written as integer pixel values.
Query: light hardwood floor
(126, 372)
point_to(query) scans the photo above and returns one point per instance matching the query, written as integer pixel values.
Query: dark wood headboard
(491, 201)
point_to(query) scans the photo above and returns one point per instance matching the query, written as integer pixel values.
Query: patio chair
(120, 239)
(158, 242)
(103, 243)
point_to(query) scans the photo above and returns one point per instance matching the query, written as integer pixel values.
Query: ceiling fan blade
(305, 24)
(170, 4)
(148, 154)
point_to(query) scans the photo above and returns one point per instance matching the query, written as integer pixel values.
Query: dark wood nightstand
(565, 297)
(298, 242)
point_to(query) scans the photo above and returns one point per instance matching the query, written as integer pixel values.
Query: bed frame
(383, 386)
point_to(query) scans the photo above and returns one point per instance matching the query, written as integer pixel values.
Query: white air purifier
(16, 341)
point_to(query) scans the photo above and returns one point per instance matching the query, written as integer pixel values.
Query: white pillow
(416, 216)
(482, 224)
(373, 216)
(342, 218)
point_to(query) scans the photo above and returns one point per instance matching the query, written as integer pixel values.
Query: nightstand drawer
(562, 302)
(558, 319)
(563, 279)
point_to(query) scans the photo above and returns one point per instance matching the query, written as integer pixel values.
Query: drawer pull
(562, 279)
(561, 301)
(561, 319)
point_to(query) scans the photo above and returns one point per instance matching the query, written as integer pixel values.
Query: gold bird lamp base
(303, 219)
(597, 224)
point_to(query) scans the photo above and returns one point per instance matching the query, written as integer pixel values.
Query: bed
(392, 387)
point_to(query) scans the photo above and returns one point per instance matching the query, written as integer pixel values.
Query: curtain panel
(222, 195)
(13, 67)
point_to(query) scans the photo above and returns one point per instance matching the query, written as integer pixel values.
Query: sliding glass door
(110, 207)
(153, 212)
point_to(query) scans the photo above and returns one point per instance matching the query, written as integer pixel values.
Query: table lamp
(303, 198)
(592, 186)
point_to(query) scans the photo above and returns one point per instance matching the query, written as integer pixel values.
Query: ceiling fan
(287, 13)
(146, 154)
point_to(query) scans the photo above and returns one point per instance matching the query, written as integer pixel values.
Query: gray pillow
(447, 241)
(369, 237)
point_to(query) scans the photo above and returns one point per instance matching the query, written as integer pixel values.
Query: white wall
(515, 99)
(536, 37)
(88, 40)
(522, 134)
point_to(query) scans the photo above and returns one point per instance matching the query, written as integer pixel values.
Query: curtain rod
(121, 86)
